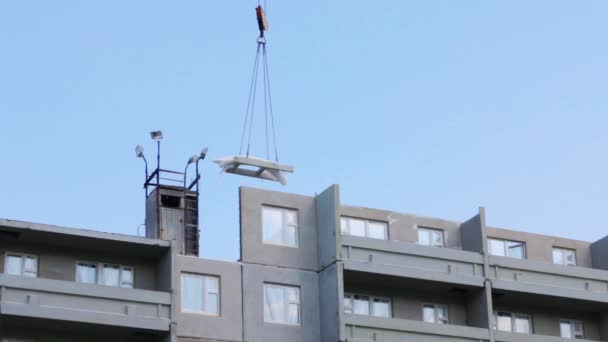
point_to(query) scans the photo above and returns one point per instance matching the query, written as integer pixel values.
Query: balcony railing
(547, 279)
(84, 303)
(412, 261)
(365, 329)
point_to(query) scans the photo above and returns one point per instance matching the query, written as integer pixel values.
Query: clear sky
(426, 107)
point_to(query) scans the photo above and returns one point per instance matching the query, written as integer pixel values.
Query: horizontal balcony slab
(84, 303)
(412, 261)
(546, 279)
(502, 336)
(365, 328)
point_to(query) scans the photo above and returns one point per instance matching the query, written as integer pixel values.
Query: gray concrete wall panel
(540, 247)
(404, 227)
(256, 330)
(472, 234)
(599, 254)
(253, 250)
(228, 325)
(60, 263)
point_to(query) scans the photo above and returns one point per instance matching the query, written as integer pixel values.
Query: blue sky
(428, 107)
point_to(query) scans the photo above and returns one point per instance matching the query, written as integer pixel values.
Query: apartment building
(311, 269)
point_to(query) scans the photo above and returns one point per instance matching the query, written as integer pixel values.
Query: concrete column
(604, 326)
(327, 207)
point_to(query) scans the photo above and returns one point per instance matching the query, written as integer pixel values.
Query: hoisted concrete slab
(255, 167)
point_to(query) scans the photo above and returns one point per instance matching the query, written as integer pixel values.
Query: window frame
(562, 251)
(367, 223)
(23, 257)
(284, 226)
(506, 248)
(572, 322)
(513, 316)
(436, 318)
(431, 231)
(370, 303)
(206, 292)
(287, 303)
(99, 267)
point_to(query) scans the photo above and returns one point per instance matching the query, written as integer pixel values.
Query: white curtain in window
(376, 230)
(565, 329)
(442, 314)
(272, 222)
(30, 267)
(428, 313)
(274, 304)
(343, 225)
(126, 277)
(424, 237)
(348, 304)
(381, 308)
(522, 324)
(86, 273)
(12, 264)
(503, 322)
(192, 293)
(558, 257)
(357, 227)
(111, 275)
(497, 247)
(361, 305)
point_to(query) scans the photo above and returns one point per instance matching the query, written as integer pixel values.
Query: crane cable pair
(250, 110)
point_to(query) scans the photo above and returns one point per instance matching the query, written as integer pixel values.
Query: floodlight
(139, 151)
(156, 135)
(204, 152)
(194, 159)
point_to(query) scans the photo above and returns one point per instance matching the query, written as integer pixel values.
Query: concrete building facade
(311, 269)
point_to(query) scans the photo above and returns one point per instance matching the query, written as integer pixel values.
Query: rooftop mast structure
(172, 202)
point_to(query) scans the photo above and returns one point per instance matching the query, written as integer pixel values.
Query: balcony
(365, 328)
(409, 260)
(83, 303)
(546, 279)
(502, 336)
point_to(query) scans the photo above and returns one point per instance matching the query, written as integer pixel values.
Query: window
(21, 264)
(280, 226)
(435, 313)
(506, 321)
(430, 237)
(104, 274)
(564, 256)
(363, 228)
(571, 329)
(281, 304)
(507, 248)
(200, 294)
(367, 305)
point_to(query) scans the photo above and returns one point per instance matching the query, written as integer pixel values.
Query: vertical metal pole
(158, 162)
